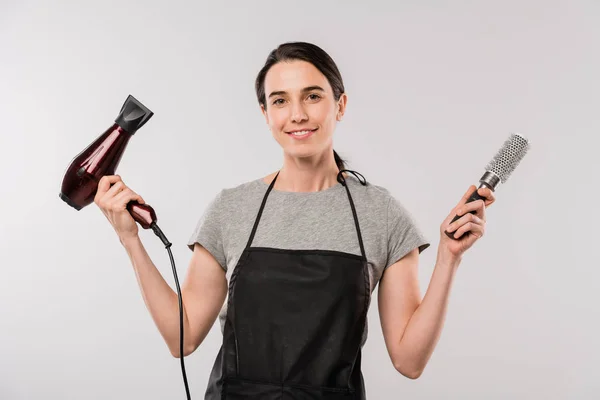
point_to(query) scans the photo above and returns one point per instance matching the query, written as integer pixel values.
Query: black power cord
(167, 244)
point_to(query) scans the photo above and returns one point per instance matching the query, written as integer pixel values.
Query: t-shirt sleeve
(208, 232)
(403, 233)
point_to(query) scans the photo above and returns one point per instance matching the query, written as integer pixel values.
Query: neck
(310, 174)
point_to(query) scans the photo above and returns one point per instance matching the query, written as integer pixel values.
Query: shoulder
(379, 202)
(372, 193)
(239, 194)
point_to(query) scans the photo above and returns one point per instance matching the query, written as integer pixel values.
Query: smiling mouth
(301, 133)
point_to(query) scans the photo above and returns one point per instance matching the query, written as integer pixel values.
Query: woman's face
(300, 99)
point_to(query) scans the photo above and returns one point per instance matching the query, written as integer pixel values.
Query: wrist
(448, 259)
(127, 241)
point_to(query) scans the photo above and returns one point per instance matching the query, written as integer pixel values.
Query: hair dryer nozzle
(133, 115)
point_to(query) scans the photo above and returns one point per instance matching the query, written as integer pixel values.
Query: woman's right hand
(113, 200)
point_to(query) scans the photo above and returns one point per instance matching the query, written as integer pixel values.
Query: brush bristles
(509, 156)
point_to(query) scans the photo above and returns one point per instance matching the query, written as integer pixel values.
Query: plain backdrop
(434, 90)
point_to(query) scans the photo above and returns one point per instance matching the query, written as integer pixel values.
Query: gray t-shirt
(309, 220)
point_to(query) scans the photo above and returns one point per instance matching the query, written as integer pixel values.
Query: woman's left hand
(469, 227)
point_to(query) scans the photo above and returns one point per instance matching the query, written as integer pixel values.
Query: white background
(434, 90)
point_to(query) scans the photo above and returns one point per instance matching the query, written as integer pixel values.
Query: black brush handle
(474, 196)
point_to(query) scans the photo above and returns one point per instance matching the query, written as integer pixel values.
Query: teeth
(300, 133)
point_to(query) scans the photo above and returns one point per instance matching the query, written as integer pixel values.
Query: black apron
(294, 325)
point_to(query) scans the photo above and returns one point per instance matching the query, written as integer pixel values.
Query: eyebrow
(306, 89)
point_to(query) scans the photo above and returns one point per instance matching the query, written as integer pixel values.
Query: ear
(341, 106)
(264, 112)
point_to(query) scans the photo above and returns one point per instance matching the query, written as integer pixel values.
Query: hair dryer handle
(142, 214)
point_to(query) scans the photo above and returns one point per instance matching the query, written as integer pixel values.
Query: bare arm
(412, 327)
(203, 292)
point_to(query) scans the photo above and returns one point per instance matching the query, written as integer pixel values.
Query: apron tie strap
(342, 180)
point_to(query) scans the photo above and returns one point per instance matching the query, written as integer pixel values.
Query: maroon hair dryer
(100, 158)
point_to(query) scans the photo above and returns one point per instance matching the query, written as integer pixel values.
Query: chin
(303, 151)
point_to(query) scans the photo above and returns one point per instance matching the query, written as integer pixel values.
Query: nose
(298, 113)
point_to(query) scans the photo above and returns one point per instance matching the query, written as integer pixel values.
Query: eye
(278, 102)
(314, 96)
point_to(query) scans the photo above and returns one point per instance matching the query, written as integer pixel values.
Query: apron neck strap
(341, 180)
(260, 211)
(363, 182)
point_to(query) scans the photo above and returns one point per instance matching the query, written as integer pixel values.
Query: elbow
(410, 373)
(176, 353)
(414, 375)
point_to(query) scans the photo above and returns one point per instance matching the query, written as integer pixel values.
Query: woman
(298, 253)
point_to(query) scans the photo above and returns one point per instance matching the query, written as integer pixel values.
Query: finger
(137, 197)
(466, 196)
(120, 201)
(462, 201)
(488, 195)
(115, 189)
(105, 182)
(471, 229)
(478, 206)
(475, 227)
(132, 196)
(465, 219)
